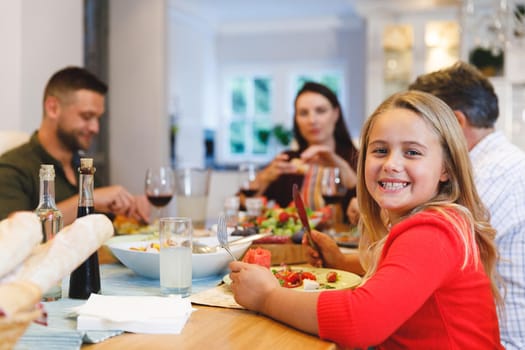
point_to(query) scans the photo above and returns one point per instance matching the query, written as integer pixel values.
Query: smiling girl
(427, 247)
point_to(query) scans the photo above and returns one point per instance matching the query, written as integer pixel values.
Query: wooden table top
(222, 328)
(219, 328)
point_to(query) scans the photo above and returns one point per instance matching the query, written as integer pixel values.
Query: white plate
(147, 263)
(345, 279)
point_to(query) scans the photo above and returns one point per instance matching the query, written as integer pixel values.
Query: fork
(222, 235)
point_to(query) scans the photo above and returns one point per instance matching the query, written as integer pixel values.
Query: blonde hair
(457, 199)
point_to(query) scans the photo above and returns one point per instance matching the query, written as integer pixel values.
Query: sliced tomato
(283, 217)
(292, 280)
(331, 277)
(308, 276)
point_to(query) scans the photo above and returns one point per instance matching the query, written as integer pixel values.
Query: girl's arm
(256, 288)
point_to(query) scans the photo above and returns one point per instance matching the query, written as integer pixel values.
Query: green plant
(282, 134)
(488, 61)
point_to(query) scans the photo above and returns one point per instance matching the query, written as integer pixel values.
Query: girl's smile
(404, 162)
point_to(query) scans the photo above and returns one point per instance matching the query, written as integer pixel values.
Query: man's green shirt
(19, 177)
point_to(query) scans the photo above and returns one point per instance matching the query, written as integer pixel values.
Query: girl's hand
(251, 284)
(331, 253)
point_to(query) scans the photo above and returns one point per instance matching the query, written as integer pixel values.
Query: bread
(20, 233)
(302, 167)
(57, 258)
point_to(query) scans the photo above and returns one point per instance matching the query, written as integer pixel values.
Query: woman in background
(323, 140)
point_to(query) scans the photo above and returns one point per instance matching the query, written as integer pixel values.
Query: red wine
(85, 279)
(160, 201)
(332, 199)
(250, 192)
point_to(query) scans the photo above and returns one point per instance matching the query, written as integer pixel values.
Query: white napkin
(137, 314)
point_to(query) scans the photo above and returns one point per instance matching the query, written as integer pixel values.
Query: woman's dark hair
(344, 146)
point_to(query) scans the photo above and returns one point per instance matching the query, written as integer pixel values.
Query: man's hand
(114, 199)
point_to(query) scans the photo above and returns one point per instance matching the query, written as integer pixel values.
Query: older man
(499, 173)
(72, 106)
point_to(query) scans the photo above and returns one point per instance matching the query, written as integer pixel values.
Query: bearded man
(74, 102)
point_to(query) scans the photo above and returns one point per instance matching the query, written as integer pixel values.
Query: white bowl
(147, 263)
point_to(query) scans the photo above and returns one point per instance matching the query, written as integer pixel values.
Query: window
(252, 114)
(334, 80)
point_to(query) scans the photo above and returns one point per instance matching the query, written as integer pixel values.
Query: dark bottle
(86, 278)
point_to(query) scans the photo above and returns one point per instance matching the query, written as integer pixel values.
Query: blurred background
(209, 83)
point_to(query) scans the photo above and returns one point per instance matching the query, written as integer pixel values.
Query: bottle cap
(47, 172)
(86, 166)
(86, 162)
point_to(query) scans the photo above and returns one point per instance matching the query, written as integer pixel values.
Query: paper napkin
(137, 314)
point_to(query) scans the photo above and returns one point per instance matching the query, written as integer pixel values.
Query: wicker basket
(19, 306)
(12, 328)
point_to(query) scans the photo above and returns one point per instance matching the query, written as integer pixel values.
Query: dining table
(207, 326)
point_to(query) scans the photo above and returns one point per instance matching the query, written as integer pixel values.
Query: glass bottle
(86, 278)
(50, 218)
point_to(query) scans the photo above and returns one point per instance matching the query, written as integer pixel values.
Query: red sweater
(419, 297)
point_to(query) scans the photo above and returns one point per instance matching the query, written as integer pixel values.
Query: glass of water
(175, 255)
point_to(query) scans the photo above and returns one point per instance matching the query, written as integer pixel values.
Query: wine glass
(333, 192)
(159, 187)
(247, 174)
(247, 186)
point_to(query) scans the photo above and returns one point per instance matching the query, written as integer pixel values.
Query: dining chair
(10, 139)
(223, 184)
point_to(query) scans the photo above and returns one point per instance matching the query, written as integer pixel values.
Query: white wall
(38, 38)
(138, 113)
(303, 44)
(192, 84)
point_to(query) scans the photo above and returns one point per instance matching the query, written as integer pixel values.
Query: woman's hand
(252, 284)
(280, 165)
(325, 156)
(330, 252)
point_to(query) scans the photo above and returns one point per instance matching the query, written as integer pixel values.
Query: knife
(299, 205)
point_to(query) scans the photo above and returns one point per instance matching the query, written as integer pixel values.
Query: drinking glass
(175, 256)
(159, 187)
(247, 174)
(192, 194)
(333, 192)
